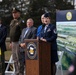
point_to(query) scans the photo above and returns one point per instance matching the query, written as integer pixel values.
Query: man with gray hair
(27, 33)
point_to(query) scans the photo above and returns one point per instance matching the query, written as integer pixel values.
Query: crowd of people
(18, 32)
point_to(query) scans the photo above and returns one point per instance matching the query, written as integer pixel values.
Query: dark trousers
(53, 69)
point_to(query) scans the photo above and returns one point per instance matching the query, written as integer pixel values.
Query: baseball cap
(14, 10)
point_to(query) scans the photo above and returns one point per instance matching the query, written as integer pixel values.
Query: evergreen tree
(63, 5)
(37, 8)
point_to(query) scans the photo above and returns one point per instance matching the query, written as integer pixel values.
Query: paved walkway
(65, 72)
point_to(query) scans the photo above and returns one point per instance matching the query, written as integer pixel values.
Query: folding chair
(59, 63)
(7, 72)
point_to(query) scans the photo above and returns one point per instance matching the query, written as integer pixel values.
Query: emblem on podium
(31, 50)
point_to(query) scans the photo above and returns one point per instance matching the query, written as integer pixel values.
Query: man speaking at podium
(49, 34)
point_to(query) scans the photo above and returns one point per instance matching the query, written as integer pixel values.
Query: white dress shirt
(45, 28)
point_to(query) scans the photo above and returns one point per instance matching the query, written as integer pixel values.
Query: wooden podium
(38, 58)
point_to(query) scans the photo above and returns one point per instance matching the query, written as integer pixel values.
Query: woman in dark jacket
(49, 34)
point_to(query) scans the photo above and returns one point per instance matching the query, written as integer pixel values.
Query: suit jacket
(50, 35)
(3, 34)
(31, 34)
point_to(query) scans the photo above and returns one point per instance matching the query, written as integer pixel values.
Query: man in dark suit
(27, 33)
(49, 34)
(3, 34)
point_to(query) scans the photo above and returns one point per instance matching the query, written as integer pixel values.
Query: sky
(0, 0)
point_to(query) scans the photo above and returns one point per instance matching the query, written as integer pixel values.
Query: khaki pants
(19, 64)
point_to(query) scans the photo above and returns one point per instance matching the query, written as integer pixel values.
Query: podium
(37, 57)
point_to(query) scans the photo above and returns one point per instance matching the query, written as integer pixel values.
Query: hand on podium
(43, 39)
(23, 45)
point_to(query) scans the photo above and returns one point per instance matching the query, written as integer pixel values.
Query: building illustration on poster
(66, 28)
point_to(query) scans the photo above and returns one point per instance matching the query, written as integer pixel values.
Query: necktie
(45, 29)
(26, 32)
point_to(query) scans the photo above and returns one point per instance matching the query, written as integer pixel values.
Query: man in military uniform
(16, 27)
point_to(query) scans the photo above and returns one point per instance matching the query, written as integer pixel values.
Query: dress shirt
(26, 32)
(39, 30)
(45, 28)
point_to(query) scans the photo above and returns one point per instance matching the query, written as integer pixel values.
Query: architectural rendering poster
(66, 28)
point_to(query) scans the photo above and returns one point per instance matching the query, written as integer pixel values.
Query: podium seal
(31, 50)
